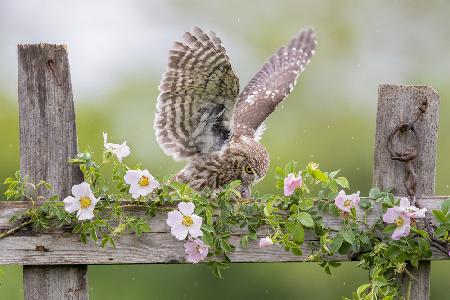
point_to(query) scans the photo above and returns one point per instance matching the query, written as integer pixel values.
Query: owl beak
(245, 192)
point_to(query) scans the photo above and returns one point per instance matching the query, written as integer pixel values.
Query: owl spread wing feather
(198, 94)
(272, 84)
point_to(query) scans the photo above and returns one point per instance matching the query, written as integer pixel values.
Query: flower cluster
(184, 222)
(83, 201)
(403, 216)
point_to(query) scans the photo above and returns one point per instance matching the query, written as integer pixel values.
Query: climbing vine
(100, 210)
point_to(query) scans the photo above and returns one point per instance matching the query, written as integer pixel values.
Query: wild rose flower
(83, 201)
(413, 211)
(141, 182)
(401, 216)
(291, 183)
(346, 202)
(184, 221)
(265, 242)
(196, 250)
(119, 150)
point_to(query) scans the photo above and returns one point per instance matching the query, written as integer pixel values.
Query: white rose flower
(83, 201)
(119, 150)
(141, 182)
(184, 221)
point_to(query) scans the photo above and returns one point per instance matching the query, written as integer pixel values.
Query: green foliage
(222, 211)
(443, 217)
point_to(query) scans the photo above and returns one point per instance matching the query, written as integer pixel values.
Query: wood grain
(397, 104)
(48, 139)
(158, 246)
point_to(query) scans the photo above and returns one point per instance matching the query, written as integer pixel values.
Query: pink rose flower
(291, 183)
(196, 250)
(401, 216)
(413, 211)
(265, 242)
(184, 221)
(346, 202)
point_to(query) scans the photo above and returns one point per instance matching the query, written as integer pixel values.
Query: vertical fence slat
(47, 139)
(397, 104)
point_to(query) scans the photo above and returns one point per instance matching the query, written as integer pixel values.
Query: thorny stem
(433, 241)
(16, 228)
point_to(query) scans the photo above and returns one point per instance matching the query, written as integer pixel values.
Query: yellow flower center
(399, 221)
(143, 181)
(85, 202)
(187, 221)
(347, 202)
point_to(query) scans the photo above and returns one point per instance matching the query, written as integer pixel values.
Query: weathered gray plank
(51, 282)
(397, 104)
(47, 139)
(158, 246)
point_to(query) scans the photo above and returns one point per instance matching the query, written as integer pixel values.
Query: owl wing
(272, 84)
(198, 94)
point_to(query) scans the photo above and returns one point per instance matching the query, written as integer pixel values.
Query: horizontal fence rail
(158, 246)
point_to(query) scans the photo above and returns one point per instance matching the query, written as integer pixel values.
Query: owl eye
(248, 169)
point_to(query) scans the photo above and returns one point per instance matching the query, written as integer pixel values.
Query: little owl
(203, 119)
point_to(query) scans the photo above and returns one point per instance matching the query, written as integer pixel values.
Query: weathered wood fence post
(47, 140)
(398, 104)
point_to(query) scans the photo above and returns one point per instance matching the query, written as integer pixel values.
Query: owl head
(252, 161)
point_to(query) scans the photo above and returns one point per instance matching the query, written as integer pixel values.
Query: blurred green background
(118, 50)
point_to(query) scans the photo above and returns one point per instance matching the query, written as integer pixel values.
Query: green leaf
(343, 182)
(362, 288)
(440, 216)
(320, 175)
(208, 239)
(423, 233)
(365, 203)
(333, 174)
(296, 251)
(336, 243)
(297, 232)
(306, 219)
(207, 228)
(349, 236)
(244, 241)
(209, 218)
(445, 205)
(374, 192)
(306, 204)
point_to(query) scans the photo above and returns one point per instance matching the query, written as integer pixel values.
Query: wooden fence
(55, 263)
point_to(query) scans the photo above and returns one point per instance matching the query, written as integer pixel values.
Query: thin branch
(16, 228)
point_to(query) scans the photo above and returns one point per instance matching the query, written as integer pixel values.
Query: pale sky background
(110, 41)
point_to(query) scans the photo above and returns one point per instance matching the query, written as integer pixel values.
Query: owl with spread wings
(203, 119)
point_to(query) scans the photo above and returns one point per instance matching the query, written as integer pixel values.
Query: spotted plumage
(202, 118)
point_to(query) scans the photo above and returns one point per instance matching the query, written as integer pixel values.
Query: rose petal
(132, 176)
(81, 190)
(195, 231)
(71, 204)
(391, 214)
(404, 202)
(186, 208)
(179, 231)
(174, 217)
(265, 242)
(85, 214)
